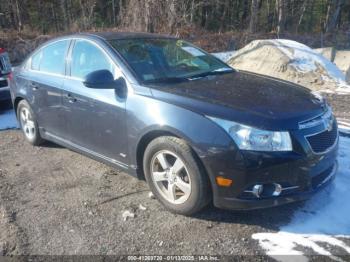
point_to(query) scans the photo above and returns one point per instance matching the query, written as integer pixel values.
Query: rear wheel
(28, 123)
(175, 176)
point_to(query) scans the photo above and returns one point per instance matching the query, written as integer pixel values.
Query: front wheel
(175, 175)
(28, 123)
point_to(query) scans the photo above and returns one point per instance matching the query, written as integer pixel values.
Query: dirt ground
(340, 105)
(54, 201)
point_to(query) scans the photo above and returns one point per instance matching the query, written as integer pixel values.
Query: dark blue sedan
(159, 108)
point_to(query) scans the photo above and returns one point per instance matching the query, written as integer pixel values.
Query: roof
(125, 35)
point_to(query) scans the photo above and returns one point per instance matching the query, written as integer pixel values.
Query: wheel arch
(153, 134)
(142, 145)
(16, 102)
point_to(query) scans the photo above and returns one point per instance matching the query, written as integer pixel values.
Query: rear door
(43, 82)
(95, 117)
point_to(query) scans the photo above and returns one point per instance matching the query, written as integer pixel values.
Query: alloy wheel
(27, 123)
(170, 177)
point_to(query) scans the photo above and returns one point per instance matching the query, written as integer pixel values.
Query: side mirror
(100, 79)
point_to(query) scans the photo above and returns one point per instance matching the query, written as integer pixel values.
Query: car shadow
(49, 144)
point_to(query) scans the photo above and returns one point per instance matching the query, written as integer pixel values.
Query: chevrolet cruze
(162, 109)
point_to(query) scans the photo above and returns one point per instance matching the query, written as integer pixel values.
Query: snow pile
(342, 57)
(292, 61)
(322, 225)
(224, 56)
(8, 120)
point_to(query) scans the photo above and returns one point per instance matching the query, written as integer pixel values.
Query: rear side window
(51, 59)
(86, 58)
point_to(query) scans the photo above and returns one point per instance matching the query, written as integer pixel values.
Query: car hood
(248, 98)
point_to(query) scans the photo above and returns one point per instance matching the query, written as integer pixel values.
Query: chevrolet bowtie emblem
(328, 123)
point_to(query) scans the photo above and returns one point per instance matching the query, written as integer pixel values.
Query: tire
(28, 123)
(175, 177)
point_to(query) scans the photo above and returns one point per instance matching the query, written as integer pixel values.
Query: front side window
(87, 58)
(155, 60)
(53, 58)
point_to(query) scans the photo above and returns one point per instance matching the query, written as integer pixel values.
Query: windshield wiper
(219, 71)
(167, 80)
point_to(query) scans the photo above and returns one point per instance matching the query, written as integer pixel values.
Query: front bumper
(251, 204)
(303, 170)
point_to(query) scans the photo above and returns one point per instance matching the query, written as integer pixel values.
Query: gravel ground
(340, 105)
(54, 201)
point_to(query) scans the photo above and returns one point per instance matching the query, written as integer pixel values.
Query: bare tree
(253, 16)
(172, 15)
(148, 16)
(280, 8)
(65, 21)
(113, 12)
(303, 8)
(333, 12)
(17, 14)
(87, 9)
(332, 19)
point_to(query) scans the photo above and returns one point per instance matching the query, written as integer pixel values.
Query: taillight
(10, 76)
(2, 50)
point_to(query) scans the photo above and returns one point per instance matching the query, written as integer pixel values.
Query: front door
(95, 117)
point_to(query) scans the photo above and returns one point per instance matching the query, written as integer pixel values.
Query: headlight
(250, 138)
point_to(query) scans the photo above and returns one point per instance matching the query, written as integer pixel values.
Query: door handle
(34, 86)
(70, 98)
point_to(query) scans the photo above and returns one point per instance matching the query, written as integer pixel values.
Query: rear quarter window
(54, 57)
(35, 61)
(51, 58)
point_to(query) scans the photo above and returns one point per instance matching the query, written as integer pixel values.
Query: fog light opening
(257, 190)
(278, 190)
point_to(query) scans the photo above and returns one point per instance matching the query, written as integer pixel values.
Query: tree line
(295, 16)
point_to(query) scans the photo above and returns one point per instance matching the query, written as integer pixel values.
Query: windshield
(158, 60)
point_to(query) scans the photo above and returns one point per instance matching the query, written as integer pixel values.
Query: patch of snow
(343, 90)
(224, 56)
(344, 126)
(8, 120)
(127, 214)
(323, 219)
(151, 196)
(141, 207)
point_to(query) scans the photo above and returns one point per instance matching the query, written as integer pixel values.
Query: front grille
(319, 120)
(321, 142)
